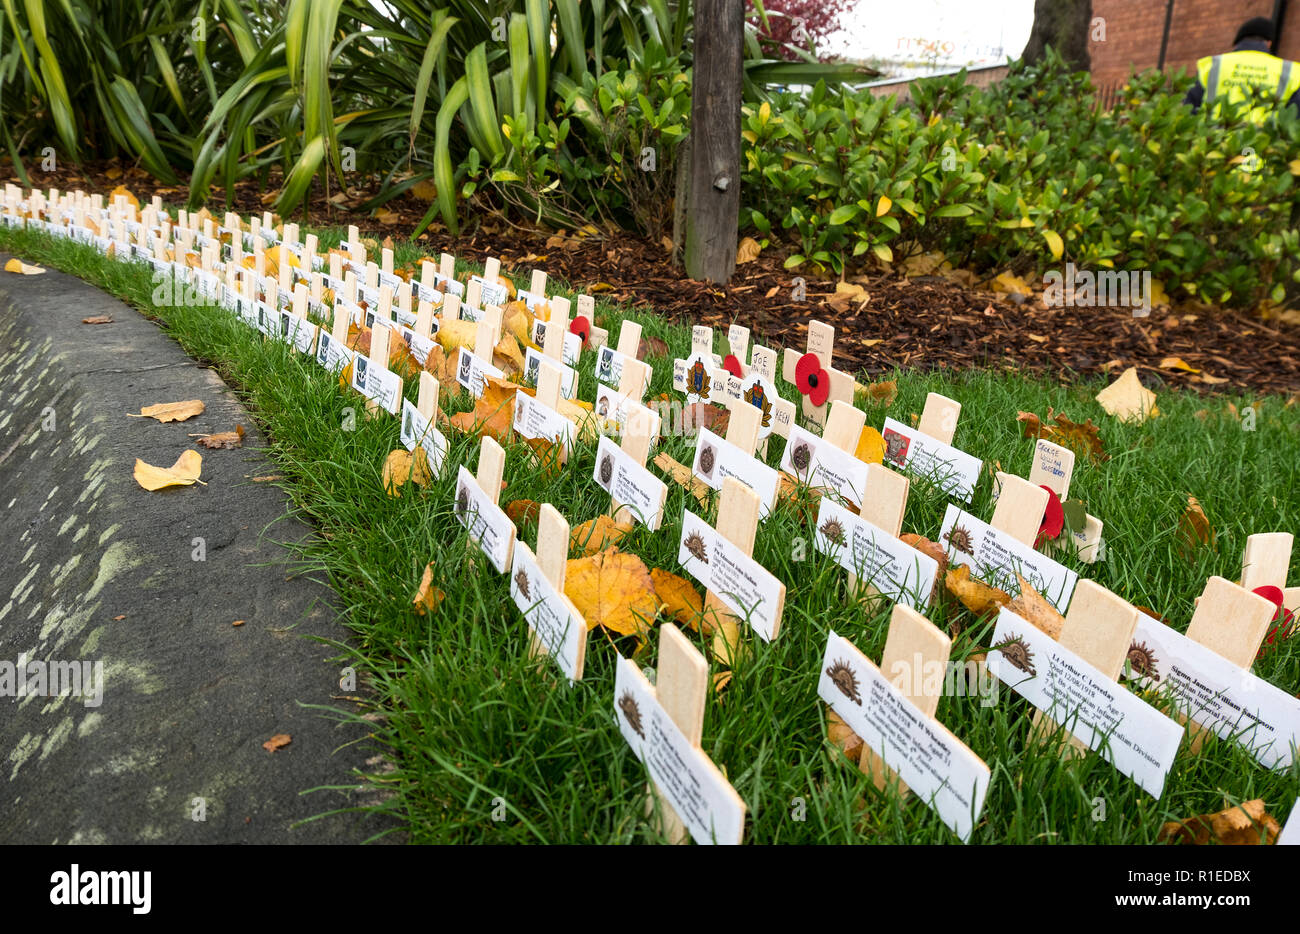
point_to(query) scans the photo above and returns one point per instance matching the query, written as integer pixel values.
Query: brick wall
(1198, 28)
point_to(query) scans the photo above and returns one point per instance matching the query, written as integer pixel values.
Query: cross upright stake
(821, 344)
(556, 628)
(681, 687)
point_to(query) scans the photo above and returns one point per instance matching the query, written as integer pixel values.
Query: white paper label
(472, 372)
(417, 430)
(897, 570)
(419, 345)
(630, 483)
(995, 557)
(614, 406)
(818, 463)
(493, 293)
(488, 525)
(934, 764)
(332, 355)
(1130, 734)
(748, 589)
(1231, 701)
(942, 465)
(1290, 835)
(378, 384)
(535, 420)
(716, 459)
(558, 626)
(706, 804)
(298, 331)
(533, 365)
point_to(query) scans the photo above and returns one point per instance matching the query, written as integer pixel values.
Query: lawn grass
(477, 729)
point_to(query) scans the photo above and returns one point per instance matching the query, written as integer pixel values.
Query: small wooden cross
(1265, 563)
(556, 627)
(538, 416)
(671, 751)
(480, 493)
(637, 436)
(420, 428)
(1099, 629)
(1231, 621)
(737, 523)
(821, 343)
(1053, 467)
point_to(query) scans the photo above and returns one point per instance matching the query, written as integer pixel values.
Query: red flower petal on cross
(732, 366)
(1283, 620)
(1053, 520)
(811, 380)
(582, 327)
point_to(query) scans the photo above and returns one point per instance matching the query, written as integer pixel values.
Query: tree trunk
(713, 208)
(1064, 25)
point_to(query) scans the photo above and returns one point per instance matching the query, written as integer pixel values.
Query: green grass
(470, 719)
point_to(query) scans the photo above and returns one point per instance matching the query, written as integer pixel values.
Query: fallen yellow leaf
(171, 411)
(871, 446)
(1177, 363)
(975, 595)
(403, 465)
(1246, 824)
(184, 472)
(595, 534)
(748, 251)
(18, 266)
(1127, 399)
(1194, 530)
(678, 597)
(278, 741)
(614, 590)
(1033, 606)
(427, 596)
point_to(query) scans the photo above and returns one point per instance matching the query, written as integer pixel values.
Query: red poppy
(811, 379)
(1053, 520)
(732, 366)
(582, 327)
(1283, 620)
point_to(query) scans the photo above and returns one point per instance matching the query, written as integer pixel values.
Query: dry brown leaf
(839, 733)
(98, 319)
(1177, 363)
(278, 741)
(871, 446)
(1128, 400)
(182, 473)
(443, 367)
(1033, 607)
(704, 415)
(1247, 824)
(596, 534)
(238, 622)
(614, 590)
(493, 412)
(523, 511)
(517, 322)
(747, 251)
(1194, 530)
(269, 478)
(427, 596)
(806, 500)
(678, 597)
(401, 466)
(682, 475)
(171, 411)
(507, 357)
(882, 393)
(652, 347)
(223, 439)
(16, 265)
(927, 547)
(1083, 438)
(975, 595)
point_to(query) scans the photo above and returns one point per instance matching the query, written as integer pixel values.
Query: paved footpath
(95, 569)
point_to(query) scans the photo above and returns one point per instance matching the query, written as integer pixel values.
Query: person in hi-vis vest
(1247, 70)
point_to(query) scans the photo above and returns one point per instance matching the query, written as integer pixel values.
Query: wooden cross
(1053, 467)
(737, 522)
(781, 412)
(1265, 563)
(635, 442)
(1099, 629)
(563, 631)
(548, 395)
(497, 527)
(914, 645)
(1231, 621)
(680, 690)
(821, 343)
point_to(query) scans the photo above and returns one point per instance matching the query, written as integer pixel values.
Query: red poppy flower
(582, 327)
(1053, 520)
(1283, 619)
(732, 366)
(811, 379)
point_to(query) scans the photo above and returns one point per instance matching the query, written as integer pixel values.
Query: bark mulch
(925, 322)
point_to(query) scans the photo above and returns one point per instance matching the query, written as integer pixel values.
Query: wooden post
(713, 209)
(681, 686)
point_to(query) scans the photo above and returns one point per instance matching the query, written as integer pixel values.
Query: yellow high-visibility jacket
(1232, 75)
